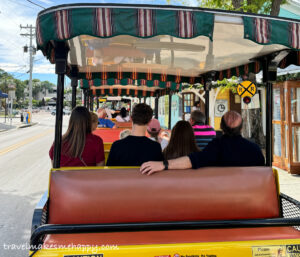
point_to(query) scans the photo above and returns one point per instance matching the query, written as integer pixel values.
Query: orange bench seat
(125, 195)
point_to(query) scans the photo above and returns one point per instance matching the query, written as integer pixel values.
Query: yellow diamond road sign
(246, 88)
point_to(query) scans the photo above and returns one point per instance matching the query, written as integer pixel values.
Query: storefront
(286, 126)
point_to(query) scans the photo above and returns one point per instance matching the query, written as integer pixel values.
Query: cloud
(45, 68)
(13, 14)
(46, 2)
(16, 12)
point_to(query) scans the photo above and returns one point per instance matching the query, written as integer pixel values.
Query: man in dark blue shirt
(229, 150)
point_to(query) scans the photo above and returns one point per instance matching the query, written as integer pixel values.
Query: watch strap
(166, 164)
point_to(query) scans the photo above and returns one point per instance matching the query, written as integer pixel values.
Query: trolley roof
(163, 46)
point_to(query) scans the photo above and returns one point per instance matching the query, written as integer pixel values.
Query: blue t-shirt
(105, 123)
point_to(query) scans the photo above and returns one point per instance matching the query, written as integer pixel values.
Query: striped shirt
(203, 134)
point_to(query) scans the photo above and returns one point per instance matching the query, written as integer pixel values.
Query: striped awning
(105, 21)
(271, 31)
(162, 45)
(134, 89)
(130, 91)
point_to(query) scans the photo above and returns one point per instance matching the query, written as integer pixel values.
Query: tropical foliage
(21, 87)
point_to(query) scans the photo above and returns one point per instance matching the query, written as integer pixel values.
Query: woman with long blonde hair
(79, 146)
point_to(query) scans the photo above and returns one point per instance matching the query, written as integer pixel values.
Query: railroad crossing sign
(246, 89)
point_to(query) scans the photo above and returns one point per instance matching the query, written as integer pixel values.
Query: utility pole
(5, 101)
(32, 51)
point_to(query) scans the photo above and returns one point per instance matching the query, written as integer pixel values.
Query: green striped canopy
(164, 46)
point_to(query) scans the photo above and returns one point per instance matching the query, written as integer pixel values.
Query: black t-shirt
(134, 151)
(228, 151)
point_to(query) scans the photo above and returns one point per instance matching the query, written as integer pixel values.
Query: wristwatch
(166, 164)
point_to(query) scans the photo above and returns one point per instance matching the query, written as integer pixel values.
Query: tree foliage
(250, 6)
(22, 86)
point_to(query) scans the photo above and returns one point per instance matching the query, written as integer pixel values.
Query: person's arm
(108, 113)
(175, 164)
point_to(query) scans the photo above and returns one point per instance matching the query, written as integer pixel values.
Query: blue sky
(16, 12)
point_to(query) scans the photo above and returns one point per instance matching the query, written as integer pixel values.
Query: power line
(36, 4)
(31, 7)
(21, 75)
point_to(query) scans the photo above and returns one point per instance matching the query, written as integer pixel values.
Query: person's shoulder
(120, 142)
(152, 143)
(249, 143)
(93, 138)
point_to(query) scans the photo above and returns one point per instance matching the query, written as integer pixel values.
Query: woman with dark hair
(123, 116)
(182, 141)
(79, 146)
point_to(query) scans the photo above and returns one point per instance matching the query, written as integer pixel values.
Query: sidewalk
(289, 184)
(14, 124)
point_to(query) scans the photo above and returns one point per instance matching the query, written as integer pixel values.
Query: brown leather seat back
(125, 195)
(124, 124)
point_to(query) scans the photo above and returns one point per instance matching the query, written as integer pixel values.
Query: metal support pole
(269, 132)
(91, 102)
(156, 107)
(61, 52)
(206, 96)
(59, 119)
(269, 111)
(170, 110)
(97, 99)
(88, 101)
(74, 84)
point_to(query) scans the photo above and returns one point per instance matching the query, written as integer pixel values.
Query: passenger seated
(123, 116)
(153, 130)
(136, 148)
(109, 112)
(229, 150)
(103, 122)
(94, 121)
(182, 141)
(203, 133)
(79, 146)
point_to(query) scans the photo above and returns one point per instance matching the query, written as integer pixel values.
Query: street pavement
(24, 175)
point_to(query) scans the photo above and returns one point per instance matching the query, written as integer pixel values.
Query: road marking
(24, 142)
